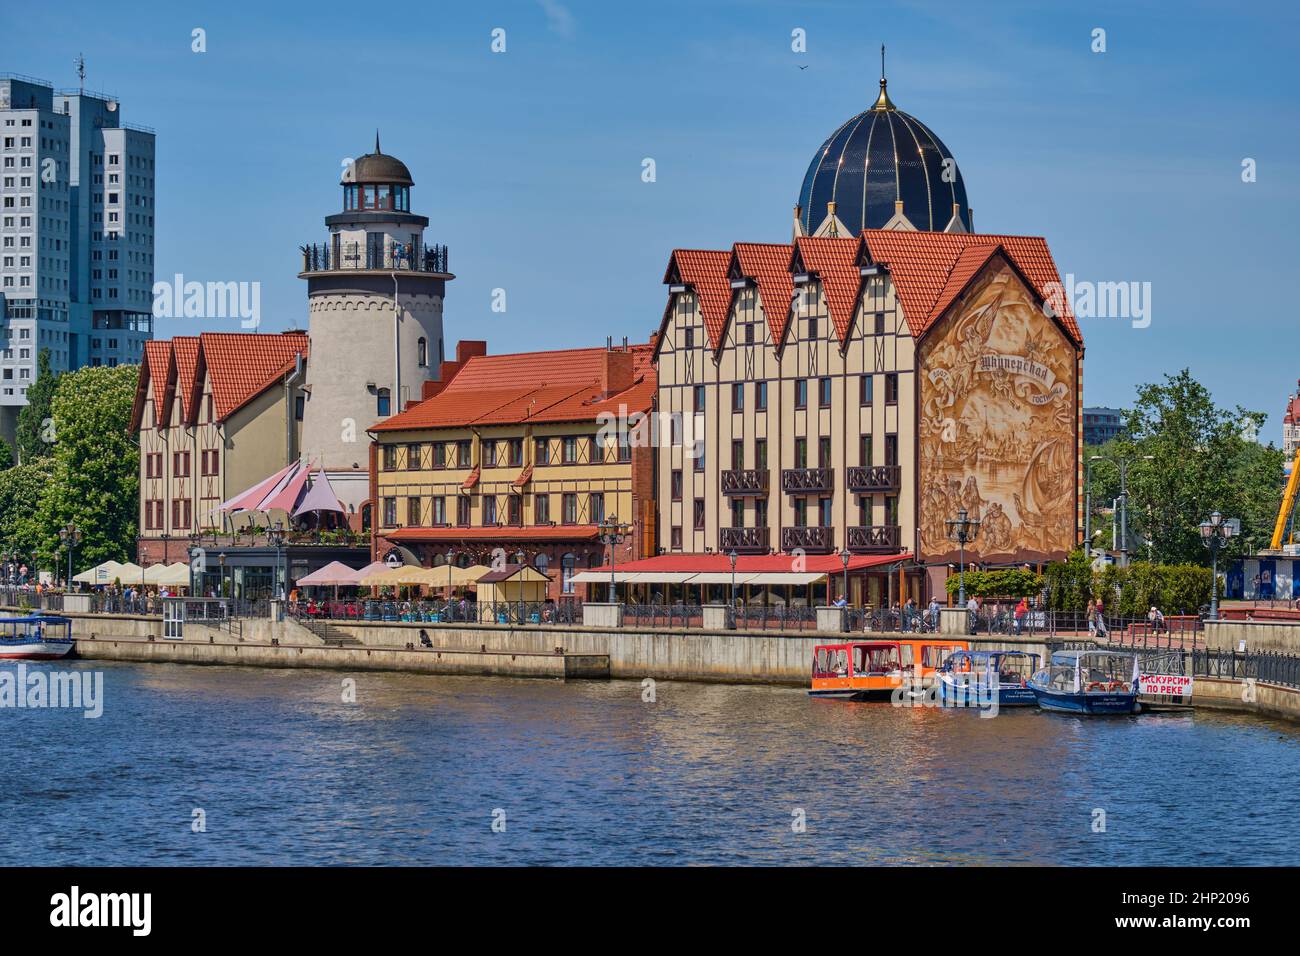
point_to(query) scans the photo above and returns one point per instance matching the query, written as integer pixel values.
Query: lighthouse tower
(374, 292)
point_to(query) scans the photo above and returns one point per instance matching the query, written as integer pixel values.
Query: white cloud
(558, 18)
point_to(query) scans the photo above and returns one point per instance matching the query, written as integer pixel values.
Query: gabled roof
(930, 269)
(242, 365)
(833, 260)
(705, 271)
(557, 386)
(768, 264)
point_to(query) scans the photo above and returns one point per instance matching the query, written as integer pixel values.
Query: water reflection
(589, 773)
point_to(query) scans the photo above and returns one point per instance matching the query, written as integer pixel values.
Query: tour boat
(978, 678)
(861, 670)
(40, 637)
(1089, 682)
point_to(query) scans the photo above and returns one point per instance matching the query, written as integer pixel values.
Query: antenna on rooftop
(81, 73)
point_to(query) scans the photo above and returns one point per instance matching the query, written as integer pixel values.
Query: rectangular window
(413, 512)
(516, 510)
(891, 449)
(738, 397)
(541, 454)
(463, 453)
(801, 393)
(439, 515)
(676, 484)
(812, 328)
(541, 509)
(688, 337)
(880, 323)
(698, 514)
(439, 454)
(891, 388)
(864, 450)
(516, 452)
(180, 464)
(738, 512)
(699, 398)
(570, 450)
(891, 510)
(866, 389)
(462, 510)
(801, 453)
(489, 454)
(760, 454)
(597, 508)
(570, 504)
(624, 446)
(801, 512)
(412, 457)
(825, 515)
(489, 510)
(760, 396)
(823, 452)
(390, 512)
(675, 537)
(824, 392)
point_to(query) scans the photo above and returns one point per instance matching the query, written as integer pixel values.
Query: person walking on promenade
(1101, 620)
(1022, 610)
(1092, 617)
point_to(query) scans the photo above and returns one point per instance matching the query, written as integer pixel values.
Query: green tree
(94, 470)
(34, 435)
(20, 489)
(1200, 460)
(6, 455)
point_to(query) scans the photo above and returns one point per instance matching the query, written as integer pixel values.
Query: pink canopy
(319, 497)
(336, 573)
(286, 497)
(251, 500)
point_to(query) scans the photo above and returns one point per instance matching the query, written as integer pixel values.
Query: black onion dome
(877, 157)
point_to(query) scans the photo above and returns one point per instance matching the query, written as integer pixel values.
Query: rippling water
(588, 773)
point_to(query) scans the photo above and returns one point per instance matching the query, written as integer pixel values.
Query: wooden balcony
(811, 540)
(866, 479)
(743, 540)
(874, 538)
(804, 481)
(747, 482)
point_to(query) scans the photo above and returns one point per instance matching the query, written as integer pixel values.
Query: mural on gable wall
(997, 429)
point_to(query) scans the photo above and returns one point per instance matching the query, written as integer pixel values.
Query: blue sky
(528, 163)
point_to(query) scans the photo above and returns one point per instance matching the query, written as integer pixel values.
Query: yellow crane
(1288, 502)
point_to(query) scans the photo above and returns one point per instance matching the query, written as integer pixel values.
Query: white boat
(39, 637)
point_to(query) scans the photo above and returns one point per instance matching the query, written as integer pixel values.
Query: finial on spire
(376, 141)
(883, 101)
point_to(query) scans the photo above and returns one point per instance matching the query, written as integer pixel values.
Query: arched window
(568, 565)
(541, 563)
(365, 517)
(383, 403)
(422, 352)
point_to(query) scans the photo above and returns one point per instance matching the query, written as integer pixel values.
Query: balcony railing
(743, 540)
(872, 478)
(800, 481)
(748, 481)
(874, 538)
(328, 257)
(812, 540)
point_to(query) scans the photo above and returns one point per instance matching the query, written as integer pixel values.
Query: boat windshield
(876, 658)
(1015, 668)
(1092, 673)
(831, 662)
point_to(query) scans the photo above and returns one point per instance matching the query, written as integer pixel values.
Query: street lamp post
(71, 537)
(844, 617)
(732, 557)
(1214, 532)
(1123, 465)
(612, 533)
(277, 535)
(963, 529)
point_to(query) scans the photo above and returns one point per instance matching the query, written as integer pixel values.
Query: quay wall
(1279, 636)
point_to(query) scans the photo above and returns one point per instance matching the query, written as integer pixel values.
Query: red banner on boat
(1171, 685)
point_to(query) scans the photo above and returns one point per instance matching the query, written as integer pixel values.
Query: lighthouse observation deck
(343, 256)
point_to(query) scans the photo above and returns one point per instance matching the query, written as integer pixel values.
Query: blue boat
(977, 678)
(36, 637)
(1089, 682)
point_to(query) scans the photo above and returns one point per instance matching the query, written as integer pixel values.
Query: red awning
(472, 480)
(525, 476)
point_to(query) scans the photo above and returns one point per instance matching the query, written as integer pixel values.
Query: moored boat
(37, 637)
(1089, 682)
(978, 678)
(863, 670)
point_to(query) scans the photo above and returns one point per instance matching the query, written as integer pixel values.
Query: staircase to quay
(331, 635)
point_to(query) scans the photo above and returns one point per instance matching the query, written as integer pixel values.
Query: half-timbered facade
(523, 454)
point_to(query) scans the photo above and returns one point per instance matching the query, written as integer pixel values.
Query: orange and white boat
(862, 670)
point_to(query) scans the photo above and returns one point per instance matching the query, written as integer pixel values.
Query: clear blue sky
(528, 163)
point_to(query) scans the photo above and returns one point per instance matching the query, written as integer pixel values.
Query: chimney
(616, 372)
(466, 350)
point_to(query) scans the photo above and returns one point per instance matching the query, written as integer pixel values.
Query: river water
(419, 768)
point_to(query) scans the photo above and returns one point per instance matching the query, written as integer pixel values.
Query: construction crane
(1283, 523)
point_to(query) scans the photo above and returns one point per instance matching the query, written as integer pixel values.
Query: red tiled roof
(833, 260)
(154, 381)
(185, 349)
(768, 264)
(705, 271)
(930, 269)
(243, 364)
(752, 563)
(545, 532)
(558, 386)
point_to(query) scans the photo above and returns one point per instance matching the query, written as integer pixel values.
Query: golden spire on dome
(883, 102)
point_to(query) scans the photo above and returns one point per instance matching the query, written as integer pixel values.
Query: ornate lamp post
(732, 557)
(71, 537)
(277, 535)
(221, 560)
(1123, 465)
(844, 618)
(963, 529)
(1214, 532)
(612, 533)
